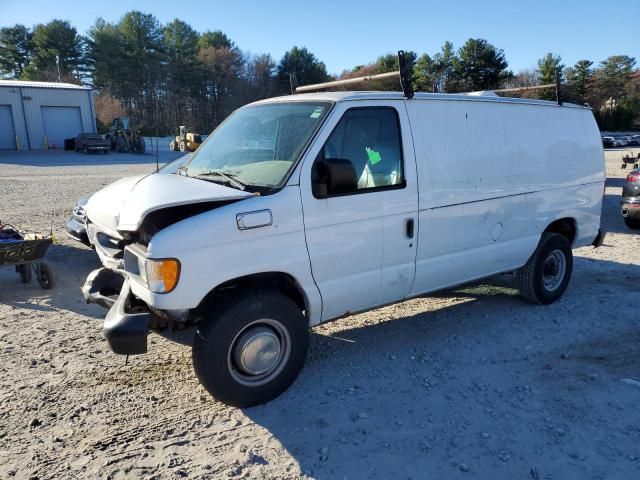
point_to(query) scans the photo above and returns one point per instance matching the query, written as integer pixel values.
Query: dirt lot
(471, 383)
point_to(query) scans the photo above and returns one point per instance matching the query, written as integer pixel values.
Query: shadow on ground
(71, 264)
(391, 386)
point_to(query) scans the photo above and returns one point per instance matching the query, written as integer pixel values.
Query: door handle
(410, 227)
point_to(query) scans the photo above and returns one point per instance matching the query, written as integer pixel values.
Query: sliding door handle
(410, 227)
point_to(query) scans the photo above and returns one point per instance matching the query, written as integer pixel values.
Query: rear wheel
(251, 347)
(183, 146)
(545, 277)
(633, 223)
(142, 146)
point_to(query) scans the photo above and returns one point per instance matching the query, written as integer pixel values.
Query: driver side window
(369, 139)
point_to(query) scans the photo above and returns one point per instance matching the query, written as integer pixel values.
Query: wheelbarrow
(25, 253)
(629, 159)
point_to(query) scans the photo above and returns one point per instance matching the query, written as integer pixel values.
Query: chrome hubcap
(259, 352)
(555, 267)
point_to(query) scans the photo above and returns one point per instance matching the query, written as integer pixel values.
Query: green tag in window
(374, 157)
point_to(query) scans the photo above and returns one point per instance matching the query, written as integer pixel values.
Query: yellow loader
(185, 141)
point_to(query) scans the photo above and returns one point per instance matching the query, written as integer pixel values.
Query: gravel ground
(470, 383)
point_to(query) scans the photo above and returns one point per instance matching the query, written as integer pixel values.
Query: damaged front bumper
(129, 319)
(126, 325)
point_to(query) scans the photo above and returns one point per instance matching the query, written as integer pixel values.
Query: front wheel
(25, 272)
(251, 347)
(121, 145)
(545, 277)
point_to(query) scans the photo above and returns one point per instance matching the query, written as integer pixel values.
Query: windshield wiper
(218, 173)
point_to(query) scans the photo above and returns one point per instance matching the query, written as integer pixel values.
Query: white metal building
(39, 115)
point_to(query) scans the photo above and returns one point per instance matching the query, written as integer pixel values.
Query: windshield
(257, 145)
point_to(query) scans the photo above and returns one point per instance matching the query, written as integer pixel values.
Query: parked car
(634, 140)
(621, 141)
(360, 201)
(92, 142)
(630, 202)
(76, 224)
(608, 142)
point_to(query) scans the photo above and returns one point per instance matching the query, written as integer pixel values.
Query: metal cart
(629, 159)
(25, 253)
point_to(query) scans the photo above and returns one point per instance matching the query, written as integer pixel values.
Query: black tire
(183, 146)
(46, 276)
(237, 317)
(25, 272)
(632, 223)
(172, 146)
(121, 145)
(543, 279)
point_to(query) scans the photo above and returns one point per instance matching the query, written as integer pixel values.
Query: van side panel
(453, 252)
(492, 177)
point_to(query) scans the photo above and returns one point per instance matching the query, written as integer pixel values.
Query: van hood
(123, 205)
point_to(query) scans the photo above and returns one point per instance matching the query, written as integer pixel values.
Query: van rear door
(362, 238)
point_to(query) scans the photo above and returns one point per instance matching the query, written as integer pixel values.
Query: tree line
(169, 75)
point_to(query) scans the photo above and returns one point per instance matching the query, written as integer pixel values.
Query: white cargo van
(302, 209)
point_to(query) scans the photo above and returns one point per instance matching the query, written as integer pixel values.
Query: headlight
(162, 275)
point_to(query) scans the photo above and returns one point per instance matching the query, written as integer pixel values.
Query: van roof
(377, 95)
(30, 84)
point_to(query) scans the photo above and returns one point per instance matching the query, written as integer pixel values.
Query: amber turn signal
(162, 275)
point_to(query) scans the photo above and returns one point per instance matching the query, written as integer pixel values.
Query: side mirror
(333, 176)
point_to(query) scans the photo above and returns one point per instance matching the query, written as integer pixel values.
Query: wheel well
(279, 281)
(564, 226)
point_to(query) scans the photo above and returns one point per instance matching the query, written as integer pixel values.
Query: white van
(302, 209)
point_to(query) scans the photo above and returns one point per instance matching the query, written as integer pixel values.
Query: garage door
(7, 131)
(60, 123)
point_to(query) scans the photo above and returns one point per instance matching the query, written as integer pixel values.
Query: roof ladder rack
(555, 85)
(404, 74)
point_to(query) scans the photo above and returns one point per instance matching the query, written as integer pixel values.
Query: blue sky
(348, 33)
